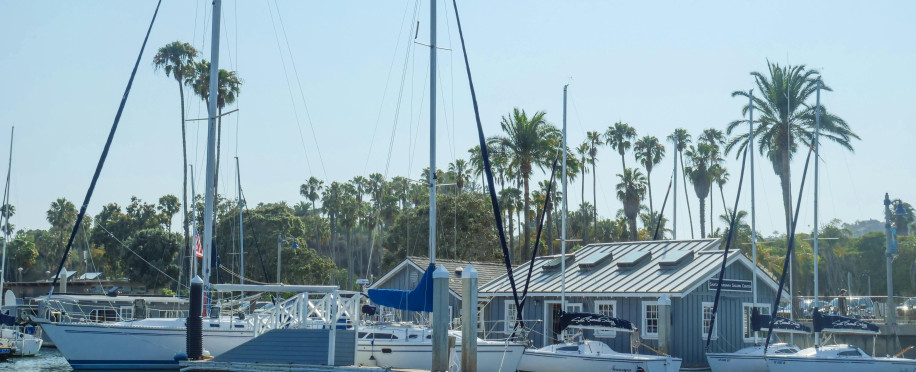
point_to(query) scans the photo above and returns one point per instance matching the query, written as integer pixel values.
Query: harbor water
(47, 360)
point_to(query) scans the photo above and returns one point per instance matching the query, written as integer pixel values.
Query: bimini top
(642, 268)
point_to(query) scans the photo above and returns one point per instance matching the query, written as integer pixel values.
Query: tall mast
(241, 226)
(193, 256)
(750, 144)
(563, 218)
(432, 132)
(6, 216)
(817, 135)
(211, 144)
(674, 200)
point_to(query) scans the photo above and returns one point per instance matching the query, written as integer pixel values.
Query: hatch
(671, 259)
(633, 259)
(555, 263)
(594, 260)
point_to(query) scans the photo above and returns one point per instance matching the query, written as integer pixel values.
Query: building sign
(731, 285)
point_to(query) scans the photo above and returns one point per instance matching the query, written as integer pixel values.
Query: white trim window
(650, 319)
(706, 321)
(511, 316)
(747, 331)
(606, 308)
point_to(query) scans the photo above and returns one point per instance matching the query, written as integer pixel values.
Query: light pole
(280, 241)
(891, 254)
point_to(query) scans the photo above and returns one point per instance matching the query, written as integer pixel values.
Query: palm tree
(7, 211)
(582, 153)
(477, 166)
(529, 142)
(618, 136)
(593, 138)
(784, 120)
(311, 190)
(699, 158)
(228, 87)
(331, 203)
(177, 60)
(682, 138)
(630, 191)
(462, 172)
(716, 139)
(508, 199)
(649, 152)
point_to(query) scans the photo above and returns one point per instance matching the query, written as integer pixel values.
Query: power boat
(591, 355)
(7, 349)
(24, 339)
(410, 347)
(839, 357)
(751, 358)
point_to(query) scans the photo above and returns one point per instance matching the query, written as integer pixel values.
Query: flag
(198, 248)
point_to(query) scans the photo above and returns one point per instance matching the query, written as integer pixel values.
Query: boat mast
(6, 214)
(750, 144)
(211, 145)
(563, 218)
(817, 134)
(432, 132)
(674, 200)
(241, 227)
(193, 256)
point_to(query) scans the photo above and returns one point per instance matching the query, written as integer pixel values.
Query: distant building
(406, 276)
(626, 280)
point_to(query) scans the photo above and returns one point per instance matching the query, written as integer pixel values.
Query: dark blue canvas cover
(419, 299)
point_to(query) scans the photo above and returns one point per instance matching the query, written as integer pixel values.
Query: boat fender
(206, 354)
(180, 356)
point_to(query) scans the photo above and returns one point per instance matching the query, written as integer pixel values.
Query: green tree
(682, 139)
(649, 152)
(630, 191)
(618, 136)
(331, 203)
(168, 207)
(157, 248)
(529, 142)
(785, 119)
(62, 217)
(7, 211)
(462, 172)
(593, 138)
(177, 60)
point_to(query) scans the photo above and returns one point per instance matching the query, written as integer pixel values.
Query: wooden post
(440, 320)
(664, 325)
(469, 319)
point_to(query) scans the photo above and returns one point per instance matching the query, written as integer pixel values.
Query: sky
(337, 89)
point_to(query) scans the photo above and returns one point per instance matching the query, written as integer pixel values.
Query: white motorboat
(592, 356)
(139, 344)
(410, 347)
(749, 359)
(837, 358)
(25, 344)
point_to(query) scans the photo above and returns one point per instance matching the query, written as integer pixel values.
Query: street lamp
(891, 254)
(280, 241)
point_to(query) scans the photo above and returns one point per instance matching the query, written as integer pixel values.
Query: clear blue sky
(656, 66)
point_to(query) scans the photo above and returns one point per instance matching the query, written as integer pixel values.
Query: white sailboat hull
(748, 359)
(495, 357)
(855, 364)
(538, 361)
(134, 345)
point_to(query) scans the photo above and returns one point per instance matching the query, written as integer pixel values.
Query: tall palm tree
(649, 152)
(630, 191)
(462, 172)
(593, 138)
(177, 59)
(716, 139)
(682, 138)
(699, 158)
(311, 190)
(582, 153)
(228, 88)
(508, 199)
(785, 119)
(618, 136)
(529, 142)
(331, 203)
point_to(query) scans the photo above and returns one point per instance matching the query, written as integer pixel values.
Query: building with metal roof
(628, 280)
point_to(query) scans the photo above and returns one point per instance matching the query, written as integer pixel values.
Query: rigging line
(419, 119)
(728, 243)
(448, 125)
(98, 169)
(486, 160)
(789, 249)
(308, 115)
(290, 89)
(138, 255)
(661, 213)
(394, 55)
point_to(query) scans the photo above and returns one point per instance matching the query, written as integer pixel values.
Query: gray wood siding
(294, 346)
(687, 340)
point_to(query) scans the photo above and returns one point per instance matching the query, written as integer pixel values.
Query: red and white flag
(198, 249)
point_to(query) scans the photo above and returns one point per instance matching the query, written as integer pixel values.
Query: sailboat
(837, 357)
(587, 355)
(408, 345)
(751, 358)
(23, 343)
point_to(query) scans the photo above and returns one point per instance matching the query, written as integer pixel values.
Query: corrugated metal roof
(650, 276)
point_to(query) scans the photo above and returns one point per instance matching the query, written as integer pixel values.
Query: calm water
(47, 360)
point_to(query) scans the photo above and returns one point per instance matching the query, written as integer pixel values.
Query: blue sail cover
(842, 324)
(7, 320)
(784, 325)
(593, 321)
(419, 299)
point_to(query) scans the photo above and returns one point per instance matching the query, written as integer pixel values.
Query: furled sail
(783, 325)
(842, 324)
(593, 321)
